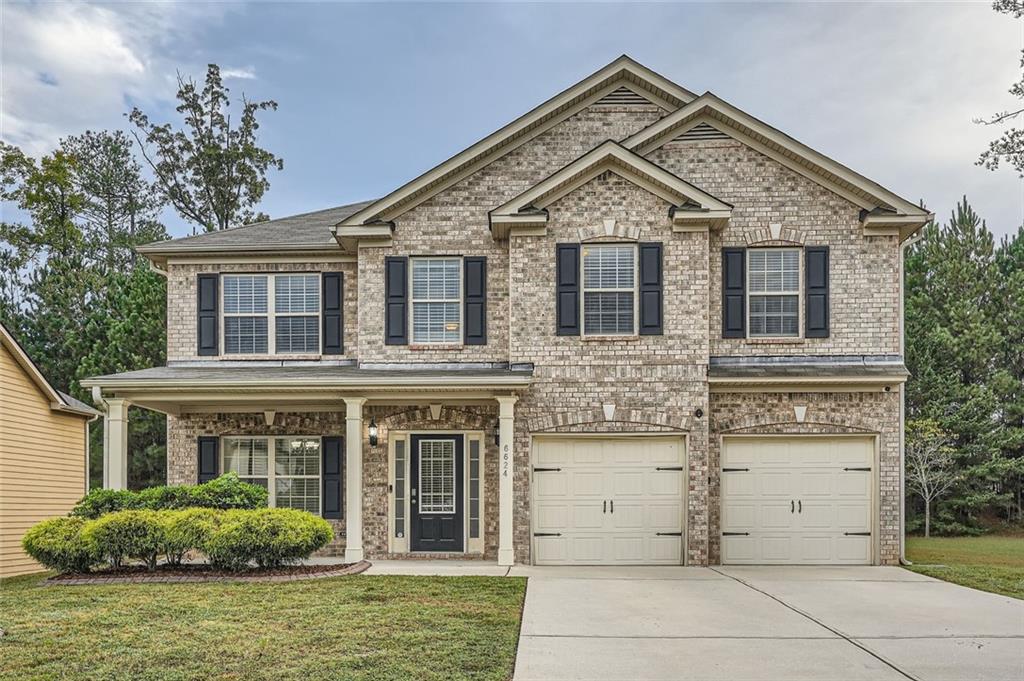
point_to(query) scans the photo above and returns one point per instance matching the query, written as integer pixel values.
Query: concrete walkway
(751, 623)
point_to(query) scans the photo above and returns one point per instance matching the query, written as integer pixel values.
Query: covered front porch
(405, 462)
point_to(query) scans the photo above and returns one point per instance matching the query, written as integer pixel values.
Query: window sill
(284, 356)
(632, 338)
(420, 347)
(776, 341)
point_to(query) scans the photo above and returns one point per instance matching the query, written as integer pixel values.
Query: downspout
(903, 405)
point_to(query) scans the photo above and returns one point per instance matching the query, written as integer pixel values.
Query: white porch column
(115, 441)
(354, 479)
(506, 467)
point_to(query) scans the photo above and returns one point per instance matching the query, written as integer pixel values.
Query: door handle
(604, 506)
(612, 503)
(800, 506)
(791, 506)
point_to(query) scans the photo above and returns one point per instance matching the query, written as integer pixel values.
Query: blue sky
(371, 95)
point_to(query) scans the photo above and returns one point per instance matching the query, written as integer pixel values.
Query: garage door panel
(797, 503)
(776, 484)
(599, 475)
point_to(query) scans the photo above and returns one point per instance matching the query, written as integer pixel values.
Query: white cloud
(68, 67)
(247, 73)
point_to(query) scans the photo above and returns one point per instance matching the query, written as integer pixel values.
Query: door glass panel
(400, 488)
(437, 476)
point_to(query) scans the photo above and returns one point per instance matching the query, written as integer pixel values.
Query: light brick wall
(181, 305)
(864, 272)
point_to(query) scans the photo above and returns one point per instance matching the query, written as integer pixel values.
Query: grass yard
(991, 563)
(365, 627)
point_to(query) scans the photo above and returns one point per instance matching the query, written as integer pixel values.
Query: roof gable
(881, 207)
(58, 400)
(690, 204)
(623, 73)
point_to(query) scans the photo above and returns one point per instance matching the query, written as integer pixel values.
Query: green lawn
(363, 627)
(990, 563)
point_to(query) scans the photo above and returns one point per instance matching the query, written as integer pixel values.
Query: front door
(436, 493)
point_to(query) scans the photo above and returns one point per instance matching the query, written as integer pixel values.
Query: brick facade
(656, 383)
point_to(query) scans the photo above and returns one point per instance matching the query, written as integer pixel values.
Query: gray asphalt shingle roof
(307, 230)
(808, 365)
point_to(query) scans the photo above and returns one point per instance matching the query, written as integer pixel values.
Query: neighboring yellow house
(44, 452)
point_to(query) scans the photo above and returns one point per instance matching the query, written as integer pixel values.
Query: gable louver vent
(623, 96)
(701, 131)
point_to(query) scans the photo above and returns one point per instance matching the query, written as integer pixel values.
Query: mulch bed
(168, 574)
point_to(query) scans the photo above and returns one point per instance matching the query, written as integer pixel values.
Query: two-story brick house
(633, 326)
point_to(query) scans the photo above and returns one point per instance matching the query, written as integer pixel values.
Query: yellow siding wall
(42, 462)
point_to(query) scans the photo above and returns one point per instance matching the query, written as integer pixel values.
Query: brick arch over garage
(598, 420)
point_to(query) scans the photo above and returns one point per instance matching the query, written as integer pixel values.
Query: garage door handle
(857, 534)
(546, 470)
(735, 534)
(800, 506)
(611, 505)
(669, 468)
(547, 534)
(604, 506)
(868, 468)
(792, 506)
(669, 534)
(735, 470)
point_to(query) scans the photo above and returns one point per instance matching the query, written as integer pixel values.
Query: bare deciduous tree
(929, 461)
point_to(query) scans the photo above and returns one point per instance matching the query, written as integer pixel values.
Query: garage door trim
(682, 438)
(874, 503)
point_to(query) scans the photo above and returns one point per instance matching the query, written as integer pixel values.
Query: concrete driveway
(745, 623)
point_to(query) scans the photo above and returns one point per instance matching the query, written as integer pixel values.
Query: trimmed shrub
(187, 530)
(100, 501)
(270, 537)
(128, 534)
(227, 491)
(59, 544)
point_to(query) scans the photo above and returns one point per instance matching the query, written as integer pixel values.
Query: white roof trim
(527, 207)
(57, 402)
(795, 155)
(623, 70)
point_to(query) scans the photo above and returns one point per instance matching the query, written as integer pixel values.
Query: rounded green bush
(226, 492)
(100, 501)
(59, 544)
(187, 530)
(269, 537)
(128, 534)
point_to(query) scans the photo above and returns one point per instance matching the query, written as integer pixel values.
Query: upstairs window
(773, 288)
(256, 303)
(609, 289)
(436, 300)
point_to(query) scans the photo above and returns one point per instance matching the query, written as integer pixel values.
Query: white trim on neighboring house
(865, 193)
(56, 399)
(622, 71)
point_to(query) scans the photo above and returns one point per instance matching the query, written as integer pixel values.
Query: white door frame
(684, 439)
(874, 505)
(402, 545)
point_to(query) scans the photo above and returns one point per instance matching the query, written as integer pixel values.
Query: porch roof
(258, 385)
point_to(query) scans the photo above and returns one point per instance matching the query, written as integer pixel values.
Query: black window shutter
(332, 340)
(474, 273)
(567, 289)
(816, 292)
(734, 293)
(333, 477)
(209, 461)
(206, 314)
(396, 303)
(651, 287)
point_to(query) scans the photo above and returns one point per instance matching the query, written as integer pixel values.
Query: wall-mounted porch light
(373, 432)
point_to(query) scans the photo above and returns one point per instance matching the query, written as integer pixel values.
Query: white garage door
(608, 501)
(797, 500)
